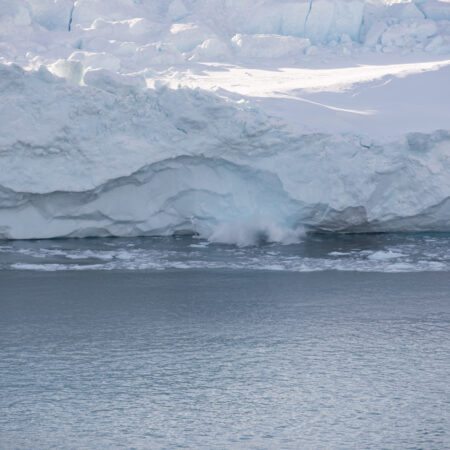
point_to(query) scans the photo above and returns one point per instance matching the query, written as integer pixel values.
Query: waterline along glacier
(232, 119)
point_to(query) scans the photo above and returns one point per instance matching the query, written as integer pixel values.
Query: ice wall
(113, 158)
(93, 143)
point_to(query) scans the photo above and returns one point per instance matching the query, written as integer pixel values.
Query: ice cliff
(235, 120)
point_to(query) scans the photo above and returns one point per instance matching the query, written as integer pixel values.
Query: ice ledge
(212, 197)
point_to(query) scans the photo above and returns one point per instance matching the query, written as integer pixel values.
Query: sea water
(336, 342)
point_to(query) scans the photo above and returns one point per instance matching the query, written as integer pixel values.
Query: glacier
(237, 121)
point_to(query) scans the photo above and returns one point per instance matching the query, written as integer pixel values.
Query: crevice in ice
(71, 16)
(307, 14)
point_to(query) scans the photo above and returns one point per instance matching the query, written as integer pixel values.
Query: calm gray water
(229, 356)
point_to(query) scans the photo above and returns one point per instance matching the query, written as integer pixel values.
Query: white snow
(238, 120)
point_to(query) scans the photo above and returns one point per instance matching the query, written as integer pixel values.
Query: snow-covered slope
(237, 120)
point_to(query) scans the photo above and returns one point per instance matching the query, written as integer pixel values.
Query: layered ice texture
(239, 121)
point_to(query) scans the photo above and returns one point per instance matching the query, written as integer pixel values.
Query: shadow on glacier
(211, 197)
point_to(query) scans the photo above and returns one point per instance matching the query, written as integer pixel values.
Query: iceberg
(133, 118)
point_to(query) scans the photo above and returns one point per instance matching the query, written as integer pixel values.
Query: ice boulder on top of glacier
(186, 36)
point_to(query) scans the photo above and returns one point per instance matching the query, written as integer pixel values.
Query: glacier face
(163, 161)
(236, 141)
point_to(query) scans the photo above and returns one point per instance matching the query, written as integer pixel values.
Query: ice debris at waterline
(237, 121)
(363, 253)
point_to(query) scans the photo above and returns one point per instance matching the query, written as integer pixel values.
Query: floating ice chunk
(339, 253)
(203, 244)
(385, 255)
(44, 267)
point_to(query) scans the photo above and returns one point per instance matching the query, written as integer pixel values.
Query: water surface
(224, 357)
(365, 253)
